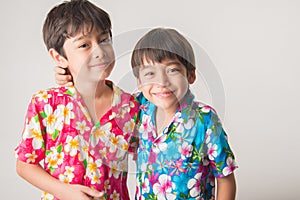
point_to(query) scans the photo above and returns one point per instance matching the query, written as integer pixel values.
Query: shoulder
(53, 93)
(206, 112)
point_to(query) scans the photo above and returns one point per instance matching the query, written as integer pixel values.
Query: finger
(63, 83)
(60, 77)
(60, 70)
(92, 192)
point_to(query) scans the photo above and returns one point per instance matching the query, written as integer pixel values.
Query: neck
(163, 118)
(93, 90)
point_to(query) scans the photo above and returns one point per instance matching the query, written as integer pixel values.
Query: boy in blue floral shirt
(182, 145)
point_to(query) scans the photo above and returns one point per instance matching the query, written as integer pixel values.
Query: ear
(58, 59)
(191, 76)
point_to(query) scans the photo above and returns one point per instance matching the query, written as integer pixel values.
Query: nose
(163, 80)
(98, 52)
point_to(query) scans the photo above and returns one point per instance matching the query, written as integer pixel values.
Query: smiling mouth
(99, 65)
(164, 94)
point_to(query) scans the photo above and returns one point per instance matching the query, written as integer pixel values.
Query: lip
(163, 94)
(99, 65)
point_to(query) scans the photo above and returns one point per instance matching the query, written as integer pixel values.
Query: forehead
(84, 29)
(164, 62)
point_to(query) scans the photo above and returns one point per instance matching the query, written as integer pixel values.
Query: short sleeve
(219, 153)
(31, 147)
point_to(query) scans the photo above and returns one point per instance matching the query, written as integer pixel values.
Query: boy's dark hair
(159, 44)
(68, 18)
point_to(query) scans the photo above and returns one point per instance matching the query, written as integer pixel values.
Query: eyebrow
(87, 35)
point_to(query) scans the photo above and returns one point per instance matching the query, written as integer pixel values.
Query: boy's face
(165, 83)
(90, 56)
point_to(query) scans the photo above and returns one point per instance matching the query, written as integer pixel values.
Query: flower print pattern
(53, 121)
(33, 130)
(72, 145)
(230, 166)
(30, 157)
(185, 150)
(183, 161)
(212, 151)
(43, 96)
(194, 185)
(59, 134)
(82, 127)
(162, 189)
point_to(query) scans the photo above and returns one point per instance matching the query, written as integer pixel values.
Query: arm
(226, 188)
(62, 76)
(38, 177)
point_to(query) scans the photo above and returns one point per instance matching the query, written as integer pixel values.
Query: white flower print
(82, 127)
(115, 195)
(47, 196)
(84, 148)
(194, 185)
(68, 175)
(146, 126)
(93, 171)
(72, 145)
(163, 188)
(33, 130)
(69, 172)
(43, 96)
(212, 151)
(102, 133)
(63, 178)
(67, 112)
(117, 144)
(230, 166)
(114, 169)
(31, 157)
(160, 144)
(54, 158)
(129, 126)
(53, 120)
(185, 150)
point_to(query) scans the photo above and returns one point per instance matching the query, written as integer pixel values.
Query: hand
(79, 192)
(62, 77)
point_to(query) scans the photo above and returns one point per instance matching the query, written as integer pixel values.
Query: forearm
(226, 188)
(38, 177)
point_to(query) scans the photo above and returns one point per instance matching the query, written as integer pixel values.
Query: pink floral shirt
(60, 135)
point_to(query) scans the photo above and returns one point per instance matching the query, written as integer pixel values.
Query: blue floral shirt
(183, 161)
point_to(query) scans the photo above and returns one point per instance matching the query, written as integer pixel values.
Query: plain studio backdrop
(248, 68)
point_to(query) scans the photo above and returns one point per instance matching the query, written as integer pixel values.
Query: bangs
(154, 55)
(160, 44)
(91, 18)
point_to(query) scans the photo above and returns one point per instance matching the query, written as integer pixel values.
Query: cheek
(110, 52)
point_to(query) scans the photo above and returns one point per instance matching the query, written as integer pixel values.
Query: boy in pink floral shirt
(75, 139)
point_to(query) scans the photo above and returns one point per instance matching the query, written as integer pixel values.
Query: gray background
(253, 47)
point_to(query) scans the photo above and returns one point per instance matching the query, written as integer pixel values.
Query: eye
(106, 41)
(85, 45)
(173, 70)
(149, 74)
